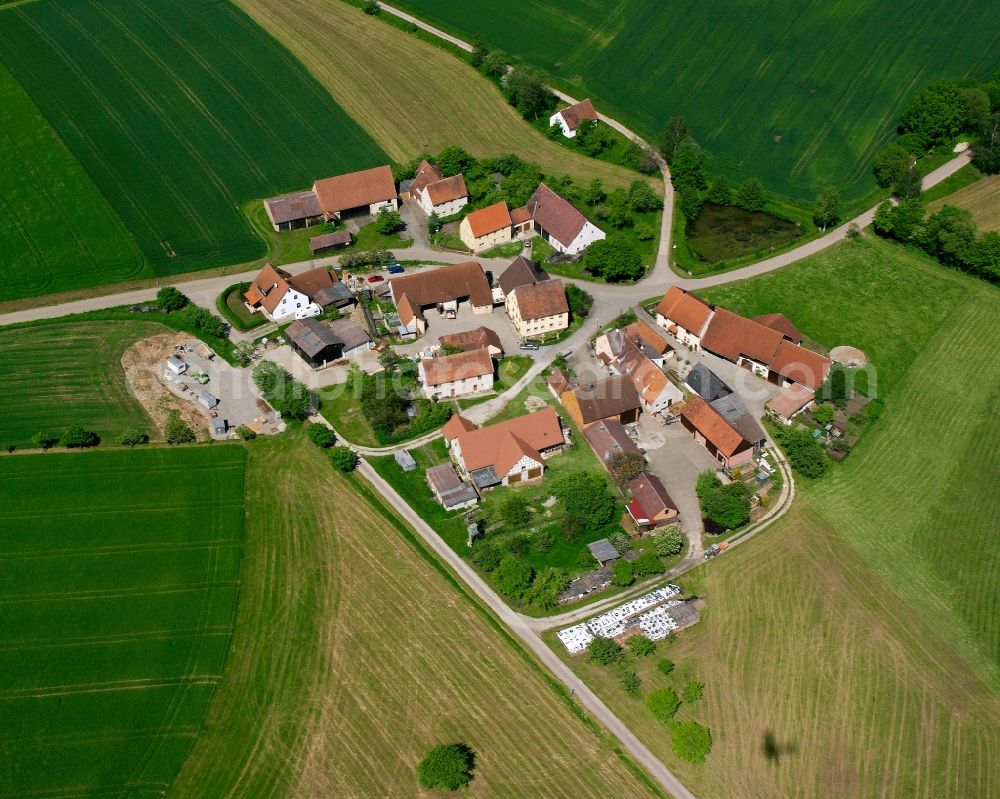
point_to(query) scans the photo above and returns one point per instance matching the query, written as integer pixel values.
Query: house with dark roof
(706, 383)
(329, 241)
(569, 118)
(539, 309)
(445, 287)
(482, 338)
(459, 375)
(559, 222)
(650, 505)
(609, 438)
(280, 295)
(314, 342)
(353, 337)
(449, 489)
(509, 452)
(734, 411)
(520, 272)
(291, 211)
(613, 398)
(710, 429)
(684, 316)
(367, 191)
(486, 228)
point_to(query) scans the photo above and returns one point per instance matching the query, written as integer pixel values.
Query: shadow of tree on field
(773, 750)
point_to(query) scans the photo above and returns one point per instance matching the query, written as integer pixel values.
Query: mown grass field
(981, 199)
(354, 653)
(179, 113)
(410, 95)
(801, 96)
(56, 229)
(853, 648)
(118, 599)
(63, 374)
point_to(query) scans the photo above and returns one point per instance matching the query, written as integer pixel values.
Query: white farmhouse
(456, 375)
(559, 223)
(569, 118)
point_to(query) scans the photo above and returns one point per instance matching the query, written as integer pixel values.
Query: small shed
(603, 551)
(206, 400)
(220, 427)
(329, 241)
(405, 460)
(176, 365)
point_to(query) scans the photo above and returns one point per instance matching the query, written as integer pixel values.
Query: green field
(853, 649)
(179, 113)
(120, 580)
(62, 374)
(47, 241)
(355, 651)
(800, 95)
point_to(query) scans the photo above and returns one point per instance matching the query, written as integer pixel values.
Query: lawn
(801, 100)
(423, 102)
(878, 591)
(355, 652)
(46, 243)
(121, 577)
(70, 373)
(981, 199)
(180, 113)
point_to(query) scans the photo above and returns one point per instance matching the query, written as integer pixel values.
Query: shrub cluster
(726, 505)
(287, 396)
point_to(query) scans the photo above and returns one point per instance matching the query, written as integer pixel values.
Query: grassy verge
(230, 304)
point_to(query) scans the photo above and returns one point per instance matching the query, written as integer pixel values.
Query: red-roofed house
(486, 228)
(684, 316)
(458, 375)
(539, 309)
(435, 193)
(710, 429)
(356, 193)
(781, 323)
(280, 295)
(569, 118)
(742, 341)
(651, 505)
(794, 364)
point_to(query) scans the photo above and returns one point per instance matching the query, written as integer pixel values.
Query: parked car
(397, 269)
(375, 278)
(529, 345)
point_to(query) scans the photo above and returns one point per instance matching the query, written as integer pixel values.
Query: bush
(570, 527)
(580, 302)
(545, 589)
(519, 545)
(622, 573)
(42, 440)
(344, 459)
(514, 512)
(631, 682)
(726, 505)
(133, 437)
(544, 542)
(486, 556)
(604, 652)
(823, 414)
(693, 691)
(647, 564)
(665, 666)
(640, 646)
(288, 396)
(513, 576)
(586, 496)
(176, 430)
(614, 259)
(642, 197)
(621, 542)
(806, 455)
(750, 195)
(448, 766)
(388, 222)
(204, 322)
(690, 740)
(246, 432)
(669, 541)
(644, 231)
(76, 437)
(663, 703)
(170, 299)
(370, 7)
(321, 435)
(624, 467)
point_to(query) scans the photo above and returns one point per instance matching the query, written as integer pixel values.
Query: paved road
(516, 624)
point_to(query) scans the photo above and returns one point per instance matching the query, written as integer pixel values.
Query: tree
(76, 437)
(42, 441)
(614, 259)
(513, 576)
(644, 231)
(514, 512)
(453, 160)
(669, 541)
(674, 132)
(648, 564)
(641, 646)
(448, 766)
(726, 505)
(804, 453)
(986, 256)
(890, 163)
(987, 159)
(321, 435)
(518, 186)
(908, 184)
(663, 703)
(621, 542)
(170, 299)
(631, 682)
(434, 223)
(693, 691)
(495, 64)
(479, 50)
(570, 527)
(133, 437)
(343, 458)
(750, 195)
(823, 414)
(665, 666)
(593, 137)
(486, 556)
(690, 740)
(604, 652)
(936, 114)
(594, 194)
(388, 222)
(622, 573)
(900, 221)
(642, 198)
(176, 430)
(834, 388)
(246, 432)
(685, 168)
(853, 231)
(690, 204)
(950, 236)
(370, 7)
(545, 589)
(585, 495)
(624, 467)
(389, 359)
(580, 302)
(721, 192)
(243, 352)
(827, 210)
(526, 91)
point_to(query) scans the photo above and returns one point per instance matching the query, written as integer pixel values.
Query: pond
(724, 232)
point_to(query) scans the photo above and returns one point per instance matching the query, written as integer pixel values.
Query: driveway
(416, 223)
